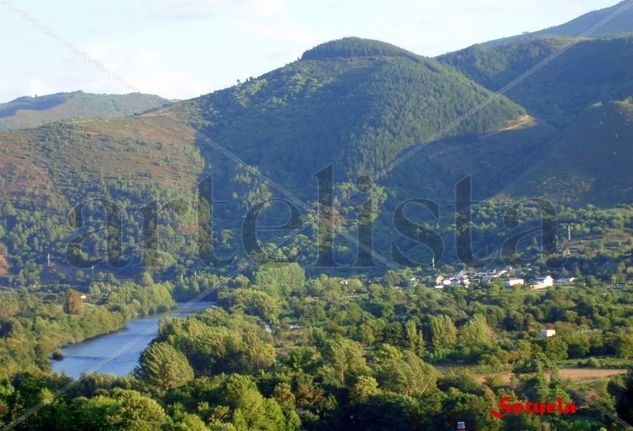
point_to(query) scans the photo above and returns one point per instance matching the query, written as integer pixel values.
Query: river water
(118, 353)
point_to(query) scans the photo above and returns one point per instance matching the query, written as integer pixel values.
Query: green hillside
(613, 20)
(588, 72)
(352, 103)
(492, 161)
(494, 67)
(27, 112)
(591, 162)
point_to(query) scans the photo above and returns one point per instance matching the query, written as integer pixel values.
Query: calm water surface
(94, 355)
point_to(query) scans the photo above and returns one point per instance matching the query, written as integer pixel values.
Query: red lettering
(504, 406)
(529, 407)
(570, 408)
(539, 408)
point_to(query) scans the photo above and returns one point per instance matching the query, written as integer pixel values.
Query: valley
(370, 239)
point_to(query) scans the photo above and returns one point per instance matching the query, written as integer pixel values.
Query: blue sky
(184, 48)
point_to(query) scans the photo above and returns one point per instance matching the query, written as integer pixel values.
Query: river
(118, 353)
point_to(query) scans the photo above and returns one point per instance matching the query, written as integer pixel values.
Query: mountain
(577, 73)
(27, 112)
(362, 107)
(58, 163)
(582, 90)
(352, 103)
(613, 20)
(590, 162)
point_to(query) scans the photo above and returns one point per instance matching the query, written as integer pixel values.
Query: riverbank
(118, 352)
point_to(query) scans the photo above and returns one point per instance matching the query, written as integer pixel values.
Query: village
(508, 277)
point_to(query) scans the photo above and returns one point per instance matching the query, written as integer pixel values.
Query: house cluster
(507, 275)
(459, 279)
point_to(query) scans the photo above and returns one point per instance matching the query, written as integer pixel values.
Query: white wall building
(514, 282)
(543, 282)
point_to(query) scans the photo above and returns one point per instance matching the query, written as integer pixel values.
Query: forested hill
(585, 72)
(26, 112)
(357, 105)
(584, 90)
(590, 162)
(352, 103)
(604, 22)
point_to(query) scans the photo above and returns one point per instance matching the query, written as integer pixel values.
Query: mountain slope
(492, 162)
(589, 71)
(352, 103)
(27, 112)
(591, 162)
(620, 23)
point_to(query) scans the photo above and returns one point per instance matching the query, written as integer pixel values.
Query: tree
(621, 389)
(443, 333)
(476, 335)
(163, 366)
(403, 372)
(346, 362)
(280, 280)
(556, 348)
(254, 302)
(469, 408)
(391, 412)
(624, 345)
(121, 410)
(365, 387)
(414, 338)
(287, 401)
(73, 303)
(251, 410)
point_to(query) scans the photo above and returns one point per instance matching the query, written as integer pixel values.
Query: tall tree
(163, 366)
(403, 372)
(73, 303)
(443, 333)
(414, 337)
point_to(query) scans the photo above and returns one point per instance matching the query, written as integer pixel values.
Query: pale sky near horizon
(183, 48)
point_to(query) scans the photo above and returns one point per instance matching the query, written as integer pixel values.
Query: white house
(514, 282)
(543, 282)
(546, 333)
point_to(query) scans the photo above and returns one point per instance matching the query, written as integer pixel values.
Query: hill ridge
(33, 111)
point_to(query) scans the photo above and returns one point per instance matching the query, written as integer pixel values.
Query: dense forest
(284, 352)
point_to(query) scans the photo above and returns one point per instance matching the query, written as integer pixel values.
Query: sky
(184, 48)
